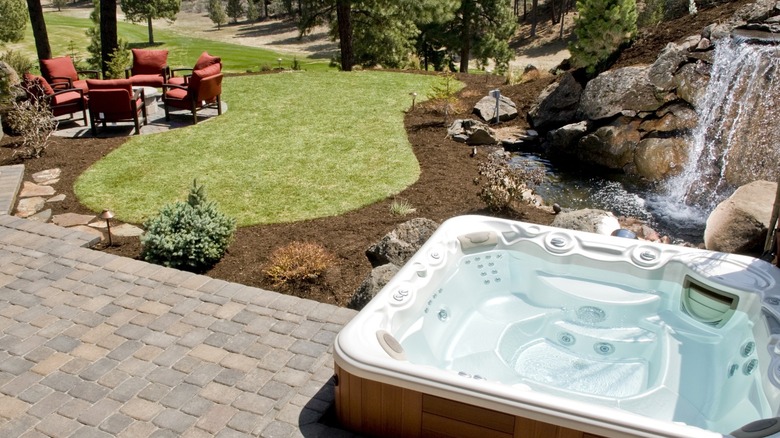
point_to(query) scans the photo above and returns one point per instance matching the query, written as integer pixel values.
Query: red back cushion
(34, 85)
(106, 84)
(149, 62)
(206, 60)
(199, 75)
(62, 67)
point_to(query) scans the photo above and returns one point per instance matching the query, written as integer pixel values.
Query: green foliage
(601, 28)
(19, 61)
(32, 120)
(252, 14)
(503, 182)
(443, 93)
(234, 10)
(93, 33)
(140, 10)
(298, 263)
(121, 57)
(192, 235)
(13, 20)
(402, 208)
(59, 4)
(217, 13)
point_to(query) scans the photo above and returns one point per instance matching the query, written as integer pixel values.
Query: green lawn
(292, 146)
(67, 34)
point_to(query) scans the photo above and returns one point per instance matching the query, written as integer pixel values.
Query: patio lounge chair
(115, 101)
(203, 61)
(203, 88)
(62, 74)
(61, 101)
(150, 68)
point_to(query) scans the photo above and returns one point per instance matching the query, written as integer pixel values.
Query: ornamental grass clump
(299, 264)
(192, 235)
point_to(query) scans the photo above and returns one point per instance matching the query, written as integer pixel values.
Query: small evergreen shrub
(444, 94)
(192, 235)
(298, 263)
(503, 183)
(601, 27)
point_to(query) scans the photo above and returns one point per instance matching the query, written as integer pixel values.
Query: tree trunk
(465, 36)
(39, 29)
(108, 36)
(525, 10)
(534, 5)
(563, 15)
(344, 17)
(265, 8)
(151, 30)
(553, 15)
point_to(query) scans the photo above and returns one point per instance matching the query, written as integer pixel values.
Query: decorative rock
(126, 230)
(563, 139)
(691, 84)
(615, 91)
(739, 224)
(29, 206)
(72, 219)
(31, 190)
(557, 105)
(44, 176)
(611, 146)
(486, 108)
(42, 216)
(89, 230)
(400, 244)
(57, 198)
(657, 158)
(372, 284)
(661, 73)
(472, 132)
(590, 220)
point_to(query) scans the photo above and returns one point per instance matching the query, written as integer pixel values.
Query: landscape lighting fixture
(107, 215)
(280, 63)
(414, 96)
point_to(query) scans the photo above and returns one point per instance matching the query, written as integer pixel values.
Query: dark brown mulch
(445, 189)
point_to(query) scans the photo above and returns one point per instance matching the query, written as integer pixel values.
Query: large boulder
(657, 158)
(624, 91)
(373, 283)
(398, 246)
(661, 73)
(472, 132)
(564, 139)
(486, 108)
(677, 117)
(557, 105)
(691, 83)
(740, 223)
(612, 145)
(589, 219)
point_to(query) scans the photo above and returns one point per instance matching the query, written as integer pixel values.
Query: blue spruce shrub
(192, 235)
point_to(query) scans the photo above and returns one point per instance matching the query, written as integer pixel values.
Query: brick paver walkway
(96, 345)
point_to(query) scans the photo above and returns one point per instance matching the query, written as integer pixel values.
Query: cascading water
(737, 139)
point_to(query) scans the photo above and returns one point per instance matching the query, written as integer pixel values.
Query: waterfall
(737, 139)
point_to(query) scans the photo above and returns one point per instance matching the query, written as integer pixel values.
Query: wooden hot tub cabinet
(382, 410)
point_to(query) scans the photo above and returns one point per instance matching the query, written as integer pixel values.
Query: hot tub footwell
(382, 410)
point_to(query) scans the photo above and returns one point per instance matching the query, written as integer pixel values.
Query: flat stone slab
(29, 206)
(45, 176)
(42, 216)
(72, 219)
(126, 230)
(89, 230)
(57, 198)
(30, 190)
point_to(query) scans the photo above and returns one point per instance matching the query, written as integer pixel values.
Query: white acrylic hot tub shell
(358, 352)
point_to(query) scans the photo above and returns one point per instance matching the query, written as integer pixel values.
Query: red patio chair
(203, 88)
(115, 101)
(150, 68)
(61, 102)
(62, 74)
(203, 61)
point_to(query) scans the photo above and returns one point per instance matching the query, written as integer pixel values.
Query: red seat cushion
(66, 98)
(206, 60)
(155, 81)
(59, 67)
(149, 62)
(176, 80)
(108, 84)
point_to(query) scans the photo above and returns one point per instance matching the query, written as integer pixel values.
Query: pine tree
(13, 20)
(234, 10)
(217, 13)
(147, 10)
(252, 14)
(602, 27)
(94, 61)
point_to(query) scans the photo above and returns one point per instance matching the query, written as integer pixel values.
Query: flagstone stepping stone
(42, 216)
(72, 219)
(100, 223)
(29, 206)
(46, 176)
(50, 183)
(57, 198)
(30, 190)
(89, 230)
(126, 230)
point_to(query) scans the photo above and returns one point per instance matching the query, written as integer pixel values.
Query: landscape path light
(280, 63)
(414, 97)
(107, 215)
(497, 95)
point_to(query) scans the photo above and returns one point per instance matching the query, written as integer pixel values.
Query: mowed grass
(67, 37)
(292, 146)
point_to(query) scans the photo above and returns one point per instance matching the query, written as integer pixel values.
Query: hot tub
(502, 328)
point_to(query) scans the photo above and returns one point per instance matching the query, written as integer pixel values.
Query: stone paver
(96, 345)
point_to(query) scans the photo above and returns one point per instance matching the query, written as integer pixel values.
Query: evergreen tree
(147, 10)
(234, 10)
(217, 13)
(13, 20)
(252, 14)
(59, 4)
(94, 60)
(483, 28)
(601, 28)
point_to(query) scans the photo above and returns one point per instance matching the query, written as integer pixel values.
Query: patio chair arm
(64, 80)
(68, 90)
(174, 70)
(94, 73)
(128, 72)
(181, 87)
(138, 92)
